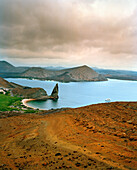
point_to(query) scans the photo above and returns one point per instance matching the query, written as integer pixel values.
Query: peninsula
(27, 92)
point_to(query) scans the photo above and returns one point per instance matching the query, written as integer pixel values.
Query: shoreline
(25, 101)
(42, 79)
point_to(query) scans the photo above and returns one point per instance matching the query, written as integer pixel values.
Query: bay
(77, 94)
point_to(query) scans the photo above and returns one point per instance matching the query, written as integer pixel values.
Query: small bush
(30, 111)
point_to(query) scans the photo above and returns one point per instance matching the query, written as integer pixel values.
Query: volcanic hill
(5, 84)
(6, 67)
(38, 72)
(82, 73)
(101, 136)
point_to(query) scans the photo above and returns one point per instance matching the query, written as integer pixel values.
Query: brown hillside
(82, 73)
(33, 93)
(101, 136)
(5, 83)
(37, 72)
(22, 91)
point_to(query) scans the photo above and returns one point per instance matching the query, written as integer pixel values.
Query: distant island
(76, 74)
(81, 73)
(118, 74)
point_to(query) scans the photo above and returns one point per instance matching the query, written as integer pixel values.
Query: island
(75, 74)
(81, 73)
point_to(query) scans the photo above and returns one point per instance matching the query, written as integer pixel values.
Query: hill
(23, 91)
(118, 74)
(82, 73)
(5, 84)
(9, 69)
(38, 72)
(9, 85)
(6, 67)
(28, 92)
(101, 136)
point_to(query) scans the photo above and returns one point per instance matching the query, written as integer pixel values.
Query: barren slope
(100, 136)
(37, 72)
(82, 73)
(5, 83)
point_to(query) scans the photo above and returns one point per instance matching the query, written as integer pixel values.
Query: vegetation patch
(9, 103)
(6, 101)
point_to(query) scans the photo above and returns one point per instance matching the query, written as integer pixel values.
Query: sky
(98, 33)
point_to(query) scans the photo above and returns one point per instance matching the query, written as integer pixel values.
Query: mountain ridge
(80, 73)
(6, 67)
(74, 74)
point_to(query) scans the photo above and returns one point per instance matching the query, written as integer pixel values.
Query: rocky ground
(99, 136)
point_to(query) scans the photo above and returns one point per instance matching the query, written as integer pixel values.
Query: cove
(77, 94)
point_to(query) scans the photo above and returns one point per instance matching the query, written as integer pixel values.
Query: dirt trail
(94, 137)
(52, 136)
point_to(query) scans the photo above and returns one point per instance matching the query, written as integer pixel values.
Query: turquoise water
(76, 94)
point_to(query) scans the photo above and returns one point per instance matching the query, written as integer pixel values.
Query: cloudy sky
(101, 33)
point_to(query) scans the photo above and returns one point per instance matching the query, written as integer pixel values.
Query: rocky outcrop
(33, 93)
(54, 93)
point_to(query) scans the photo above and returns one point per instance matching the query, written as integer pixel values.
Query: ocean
(77, 94)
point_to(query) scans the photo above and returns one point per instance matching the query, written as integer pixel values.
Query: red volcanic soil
(101, 136)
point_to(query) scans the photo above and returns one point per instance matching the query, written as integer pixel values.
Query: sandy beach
(25, 101)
